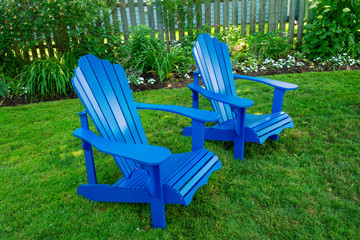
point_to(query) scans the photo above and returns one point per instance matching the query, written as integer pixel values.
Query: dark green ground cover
(306, 185)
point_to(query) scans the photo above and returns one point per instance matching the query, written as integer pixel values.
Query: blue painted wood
(151, 174)
(89, 159)
(213, 61)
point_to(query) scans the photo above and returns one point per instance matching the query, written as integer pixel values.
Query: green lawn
(306, 185)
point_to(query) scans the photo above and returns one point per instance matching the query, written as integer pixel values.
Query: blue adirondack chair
(151, 174)
(213, 61)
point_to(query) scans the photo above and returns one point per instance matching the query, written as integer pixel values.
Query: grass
(306, 185)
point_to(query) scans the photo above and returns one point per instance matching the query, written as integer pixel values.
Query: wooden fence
(253, 16)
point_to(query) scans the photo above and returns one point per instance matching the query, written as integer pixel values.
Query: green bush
(64, 18)
(49, 77)
(258, 46)
(333, 29)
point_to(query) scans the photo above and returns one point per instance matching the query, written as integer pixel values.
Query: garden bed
(178, 83)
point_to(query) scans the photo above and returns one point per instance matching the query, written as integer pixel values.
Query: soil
(178, 83)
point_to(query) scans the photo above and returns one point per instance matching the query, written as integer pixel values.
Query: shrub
(64, 18)
(258, 46)
(333, 29)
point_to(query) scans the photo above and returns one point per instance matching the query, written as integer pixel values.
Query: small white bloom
(345, 10)
(320, 17)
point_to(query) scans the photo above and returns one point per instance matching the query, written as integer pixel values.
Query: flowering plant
(333, 29)
(23, 23)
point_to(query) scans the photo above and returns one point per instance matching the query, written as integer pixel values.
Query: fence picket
(159, 19)
(252, 16)
(226, 13)
(292, 20)
(208, 13)
(283, 15)
(235, 14)
(140, 5)
(217, 16)
(271, 19)
(41, 44)
(132, 13)
(300, 21)
(124, 20)
(150, 11)
(243, 17)
(262, 6)
(198, 13)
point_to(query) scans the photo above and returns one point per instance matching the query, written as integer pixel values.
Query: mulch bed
(180, 82)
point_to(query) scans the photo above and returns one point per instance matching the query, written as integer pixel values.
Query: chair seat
(183, 174)
(257, 128)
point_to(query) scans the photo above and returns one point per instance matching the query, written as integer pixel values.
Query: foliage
(49, 77)
(4, 88)
(256, 46)
(305, 186)
(11, 65)
(101, 43)
(148, 54)
(19, 20)
(333, 29)
(181, 12)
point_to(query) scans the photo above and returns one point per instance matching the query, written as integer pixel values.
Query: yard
(306, 185)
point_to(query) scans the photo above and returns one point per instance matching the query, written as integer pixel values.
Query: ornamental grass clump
(48, 77)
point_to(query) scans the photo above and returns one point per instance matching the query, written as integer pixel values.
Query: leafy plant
(148, 54)
(4, 88)
(48, 77)
(333, 29)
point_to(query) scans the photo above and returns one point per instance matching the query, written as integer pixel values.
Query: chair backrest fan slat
(213, 61)
(104, 91)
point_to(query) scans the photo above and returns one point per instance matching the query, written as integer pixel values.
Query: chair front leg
(198, 134)
(156, 191)
(239, 138)
(278, 100)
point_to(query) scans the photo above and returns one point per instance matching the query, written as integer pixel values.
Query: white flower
(326, 10)
(320, 17)
(345, 10)
(313, 6)
(186, 75)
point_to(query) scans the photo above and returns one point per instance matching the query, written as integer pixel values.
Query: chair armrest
(273, 83)
(143, 154)
(196, 114)
(232, 101)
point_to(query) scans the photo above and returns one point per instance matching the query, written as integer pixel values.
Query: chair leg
(239, 142)
(239, 136)
(274, 137)
(156, 192)
(158, 213)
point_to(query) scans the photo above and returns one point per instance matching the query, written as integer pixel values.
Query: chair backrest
(105, 93)
(213, 61)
